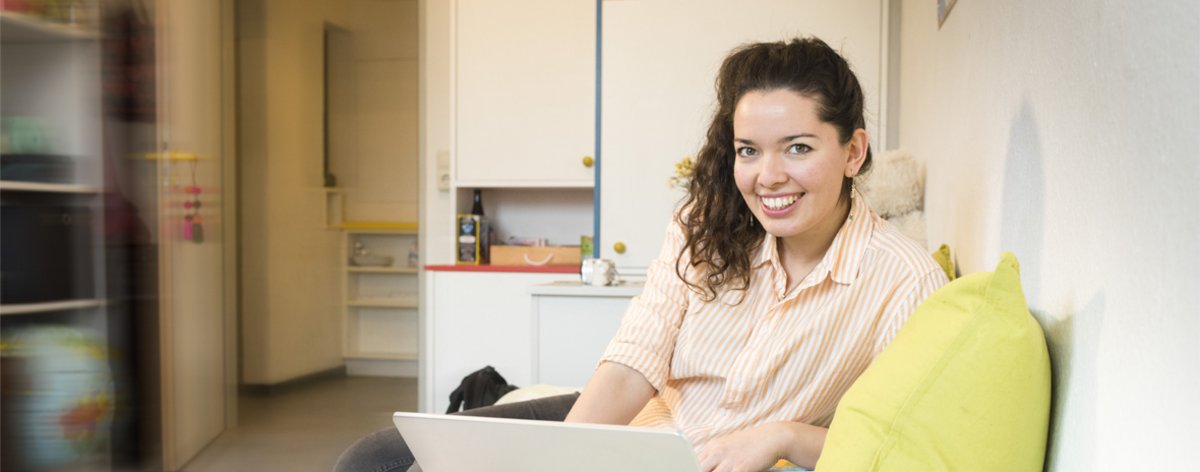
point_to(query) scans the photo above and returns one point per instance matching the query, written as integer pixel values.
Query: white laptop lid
(446, 443)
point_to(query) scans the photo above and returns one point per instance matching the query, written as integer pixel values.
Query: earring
(853, 190)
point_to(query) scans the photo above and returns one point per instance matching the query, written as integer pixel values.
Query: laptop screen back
(445, 443)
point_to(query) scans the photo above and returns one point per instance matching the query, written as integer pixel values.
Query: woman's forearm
(614, 395)
(804, 443)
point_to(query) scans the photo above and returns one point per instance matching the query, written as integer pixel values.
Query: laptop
(448, 443)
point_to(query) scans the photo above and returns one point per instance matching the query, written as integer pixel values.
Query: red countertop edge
(515, 269)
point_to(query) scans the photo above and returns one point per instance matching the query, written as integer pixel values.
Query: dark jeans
(386, 451)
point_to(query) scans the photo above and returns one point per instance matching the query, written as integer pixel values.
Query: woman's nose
(771, 171)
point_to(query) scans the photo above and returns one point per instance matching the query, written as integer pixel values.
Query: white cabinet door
(475, 319)
(525, 93)
(570, 335)
(660, 59)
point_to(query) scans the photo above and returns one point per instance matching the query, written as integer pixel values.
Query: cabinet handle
(588, 161)
(619, 247)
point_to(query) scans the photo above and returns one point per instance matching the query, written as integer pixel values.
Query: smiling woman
(794, 181)
(789, 124)
(777, 284)
(776, 287)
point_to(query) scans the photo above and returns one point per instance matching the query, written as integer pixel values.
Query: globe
(58, 394)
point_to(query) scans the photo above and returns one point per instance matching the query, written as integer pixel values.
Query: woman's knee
(381, 451)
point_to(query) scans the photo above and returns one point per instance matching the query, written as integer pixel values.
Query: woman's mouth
(778, 204)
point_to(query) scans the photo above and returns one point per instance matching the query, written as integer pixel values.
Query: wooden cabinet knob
(588, 161)
(619, 247)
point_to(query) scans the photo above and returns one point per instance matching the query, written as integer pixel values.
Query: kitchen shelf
(389, 227)
(21, 28)
(381, 355)
(27, 308)
(398, 302)
(546, 269)
(383, 270)
(15, 185)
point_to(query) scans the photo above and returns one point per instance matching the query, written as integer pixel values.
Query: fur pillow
(894, 186)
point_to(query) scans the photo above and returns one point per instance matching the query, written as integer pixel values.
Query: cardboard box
(536, 255)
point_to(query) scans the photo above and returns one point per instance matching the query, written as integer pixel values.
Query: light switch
(443, 170)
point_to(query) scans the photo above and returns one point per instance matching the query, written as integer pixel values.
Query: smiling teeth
(778, 203)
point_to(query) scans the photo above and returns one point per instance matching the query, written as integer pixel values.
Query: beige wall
(290, 263)
(379, 174)
(1066, 132)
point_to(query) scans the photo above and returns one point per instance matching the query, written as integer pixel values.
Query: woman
(776, 286)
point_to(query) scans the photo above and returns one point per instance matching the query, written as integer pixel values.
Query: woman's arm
(760, 447)
(614, 395)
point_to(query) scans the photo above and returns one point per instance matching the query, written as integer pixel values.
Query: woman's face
(789, 165)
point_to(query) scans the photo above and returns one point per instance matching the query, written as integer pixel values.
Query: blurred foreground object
(57, 396)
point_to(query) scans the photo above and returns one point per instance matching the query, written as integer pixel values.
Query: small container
(598, 272)
(472, 237)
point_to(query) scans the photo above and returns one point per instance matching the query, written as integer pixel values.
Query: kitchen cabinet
(660, 58)
(524, 94)
(471, 320)
(534, 328)
(572, 326)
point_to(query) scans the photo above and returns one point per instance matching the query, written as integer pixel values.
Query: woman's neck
(799, 254)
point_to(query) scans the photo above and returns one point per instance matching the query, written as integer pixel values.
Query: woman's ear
(856, 152)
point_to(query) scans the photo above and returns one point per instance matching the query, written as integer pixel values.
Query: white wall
(1068, 132)
(437, 216)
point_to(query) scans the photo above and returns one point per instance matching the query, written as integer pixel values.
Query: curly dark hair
(719, 229)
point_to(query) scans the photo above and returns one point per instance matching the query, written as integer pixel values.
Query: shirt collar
(842, 259)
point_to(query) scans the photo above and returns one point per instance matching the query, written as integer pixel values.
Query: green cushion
(945, 261)
(965, 385)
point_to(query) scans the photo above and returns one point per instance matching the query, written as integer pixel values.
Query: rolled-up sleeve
(646, 339)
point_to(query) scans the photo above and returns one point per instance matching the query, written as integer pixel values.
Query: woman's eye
(799, 149)
(746, 151)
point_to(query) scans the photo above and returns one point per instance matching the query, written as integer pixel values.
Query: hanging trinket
(192, 230)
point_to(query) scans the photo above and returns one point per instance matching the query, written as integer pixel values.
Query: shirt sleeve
(913, 295)
(645, 340)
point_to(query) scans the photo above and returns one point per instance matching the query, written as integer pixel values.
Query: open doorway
(328, 127)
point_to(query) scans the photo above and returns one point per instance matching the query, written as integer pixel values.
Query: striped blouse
(721, 366)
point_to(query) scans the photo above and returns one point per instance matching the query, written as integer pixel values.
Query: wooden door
(193, 226)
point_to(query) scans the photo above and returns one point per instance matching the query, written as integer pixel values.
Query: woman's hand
(750, 450)
(759, 448)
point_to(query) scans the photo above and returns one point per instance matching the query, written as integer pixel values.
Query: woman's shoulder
(891, 247)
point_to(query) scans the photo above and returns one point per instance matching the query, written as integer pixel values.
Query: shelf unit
(47, 307)
(51, 76)
(47, 187)
(54, 260)
(380, 302)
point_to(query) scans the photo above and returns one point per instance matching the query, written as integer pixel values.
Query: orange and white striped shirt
(721, 366)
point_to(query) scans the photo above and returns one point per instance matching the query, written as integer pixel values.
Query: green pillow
(945, 261)
(965, 385)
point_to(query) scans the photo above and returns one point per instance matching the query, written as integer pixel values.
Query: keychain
(192, 230)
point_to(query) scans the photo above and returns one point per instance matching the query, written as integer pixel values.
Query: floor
(307, 427)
